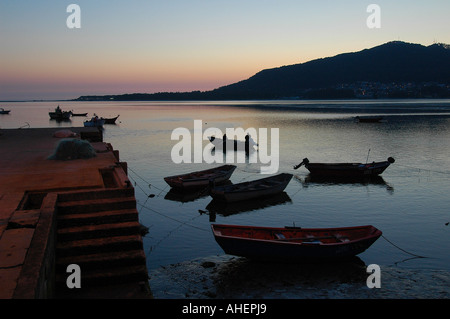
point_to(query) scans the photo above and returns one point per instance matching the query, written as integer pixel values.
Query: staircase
(99, 231)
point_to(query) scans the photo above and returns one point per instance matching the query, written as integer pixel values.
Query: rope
(149, 184)
(423, 169)
(401, 248)
(171, 218)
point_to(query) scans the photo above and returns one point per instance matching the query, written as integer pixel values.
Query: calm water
(410, 203)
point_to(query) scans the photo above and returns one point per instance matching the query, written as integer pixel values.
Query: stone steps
(99, 231)
(95, 218)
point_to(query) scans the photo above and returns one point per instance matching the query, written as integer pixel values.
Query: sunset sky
(146, 46)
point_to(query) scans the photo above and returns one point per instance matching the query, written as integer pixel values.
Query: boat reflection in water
(336, 180)
(185, 196)
(231, 208)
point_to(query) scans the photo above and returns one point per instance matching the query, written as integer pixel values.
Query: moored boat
(294, 243)
(111, 120)
(201, 179)
(59, 114)
(224, 144)
(79, 114)
(346, 169)
(249, 190)
(95, 121)
(3, 111)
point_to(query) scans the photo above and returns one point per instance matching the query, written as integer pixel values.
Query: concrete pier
(55, 213)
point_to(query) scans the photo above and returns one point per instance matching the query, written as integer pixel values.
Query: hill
(394, 69)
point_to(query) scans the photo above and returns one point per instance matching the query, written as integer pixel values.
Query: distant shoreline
(232, 100)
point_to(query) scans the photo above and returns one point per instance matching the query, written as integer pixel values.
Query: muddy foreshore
(227, 277)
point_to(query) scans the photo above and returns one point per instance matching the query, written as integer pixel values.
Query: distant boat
(79, 114)
(111, 120)
(201, 178)
(3, 111)
(294, 243)
(249, 190)
(346, 169)
(369, 119)
(226, 144)
(59, 114)
(95, 121)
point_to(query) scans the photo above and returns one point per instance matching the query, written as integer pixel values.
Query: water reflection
(185, 197)
(239, 276)
(227, 209)
(330, 181)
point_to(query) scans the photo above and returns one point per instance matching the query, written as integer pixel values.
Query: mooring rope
(390, 242)
(155, 211)
(148, 183)
(423, 169)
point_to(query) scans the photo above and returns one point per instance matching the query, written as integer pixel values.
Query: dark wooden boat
(249, 190)
(59, 114)
(224, 144)
(111, 120)
(94, 122)
(201, 179)
(79, 114)
(3, 111)
(346, 169)
(369, 119)
(294, 243)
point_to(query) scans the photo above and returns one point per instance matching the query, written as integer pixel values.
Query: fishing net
(64, 134)
(70, 149)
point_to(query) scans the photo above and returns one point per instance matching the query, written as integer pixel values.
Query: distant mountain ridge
(394, 69)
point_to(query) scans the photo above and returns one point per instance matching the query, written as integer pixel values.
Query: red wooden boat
(201, 179)
(294, 243)
(346, 169)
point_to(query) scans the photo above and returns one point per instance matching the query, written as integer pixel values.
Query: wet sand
(227, 277)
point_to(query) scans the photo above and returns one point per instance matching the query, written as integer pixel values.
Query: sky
(148, 46)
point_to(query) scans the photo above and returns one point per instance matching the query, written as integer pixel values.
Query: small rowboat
(346, 169)
(3, 111)
(59, 114)
(201, 179)
(226, 145)
(294, 243)
(249, 190)
(94, 122)
(111, 120)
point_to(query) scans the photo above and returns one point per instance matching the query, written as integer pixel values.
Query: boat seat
(280, 236)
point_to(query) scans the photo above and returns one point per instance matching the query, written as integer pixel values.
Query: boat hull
(250, 190)
(111, 120)
(233, 241)
(201, 179)
(97, 123)
(350, 170)
(60, 116)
